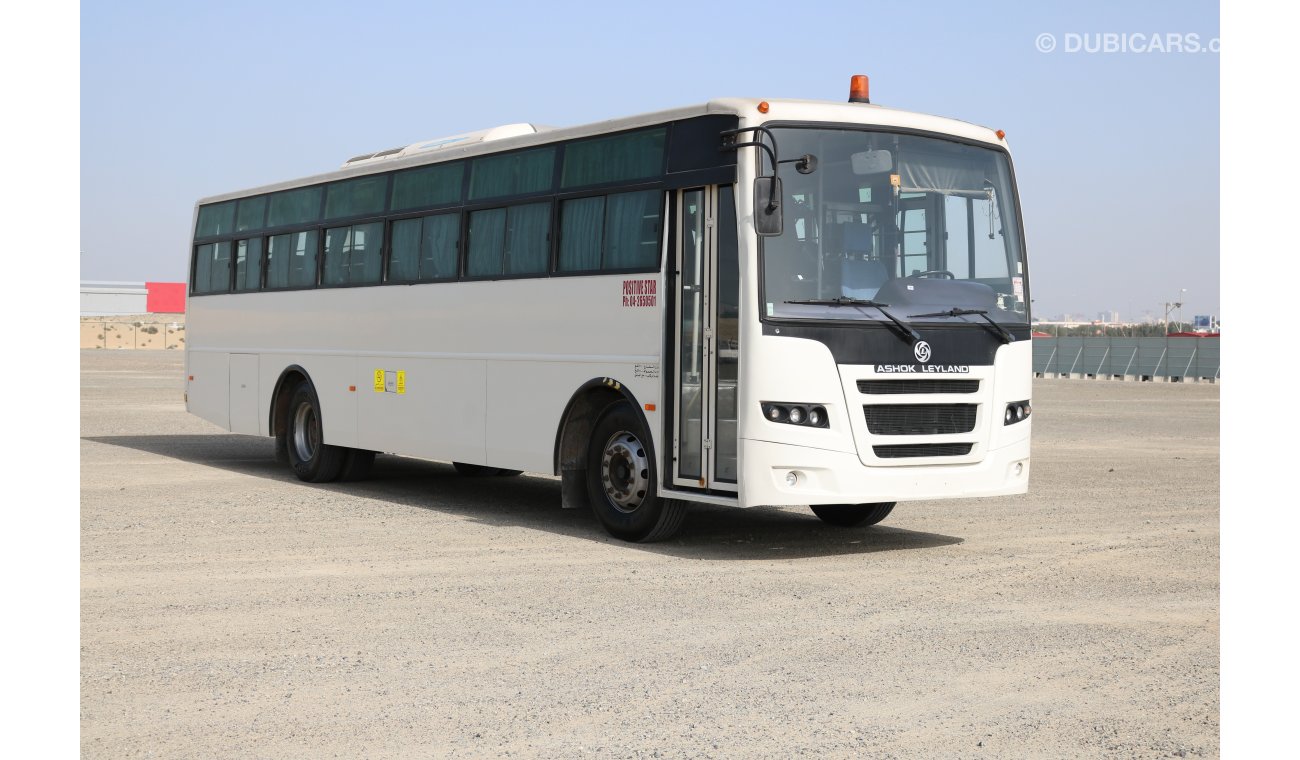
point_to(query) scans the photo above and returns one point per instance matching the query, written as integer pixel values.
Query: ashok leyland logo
(922, 351)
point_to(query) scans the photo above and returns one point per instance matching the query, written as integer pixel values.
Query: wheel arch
(278, 415)
(575, 428)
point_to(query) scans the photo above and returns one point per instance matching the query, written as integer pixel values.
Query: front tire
(853, 515)
(621, 480)
(310, 458)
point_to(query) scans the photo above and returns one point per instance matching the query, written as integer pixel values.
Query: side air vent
(923, 450)
(918, 386)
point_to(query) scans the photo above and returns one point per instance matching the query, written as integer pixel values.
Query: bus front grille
(923, 450)
(918, 386)
(919, 419)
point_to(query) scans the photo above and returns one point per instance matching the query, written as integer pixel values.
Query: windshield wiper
(981, 313)
(880, 307)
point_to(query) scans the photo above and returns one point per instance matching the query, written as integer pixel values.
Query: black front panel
(919, 419)
(952, 349)
(894, 387)
(908, 451)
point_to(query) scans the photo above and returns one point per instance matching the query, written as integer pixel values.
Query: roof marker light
(763, 106)
(1001, 135)
(859, 89)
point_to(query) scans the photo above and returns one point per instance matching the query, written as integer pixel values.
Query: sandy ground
(229, 610)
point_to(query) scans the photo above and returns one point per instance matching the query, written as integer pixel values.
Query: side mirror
(767, 206)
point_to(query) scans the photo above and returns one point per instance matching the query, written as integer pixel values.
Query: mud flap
(573, 489)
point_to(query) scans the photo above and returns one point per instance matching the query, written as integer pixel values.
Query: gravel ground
(229, 610)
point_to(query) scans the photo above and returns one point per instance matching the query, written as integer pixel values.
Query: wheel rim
(306, 433)
(625, 471)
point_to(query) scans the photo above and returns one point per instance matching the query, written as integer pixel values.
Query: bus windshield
(920, 224)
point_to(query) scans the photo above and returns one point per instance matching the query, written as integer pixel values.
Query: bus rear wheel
(853, 515)
(621, 480)
(310, 458)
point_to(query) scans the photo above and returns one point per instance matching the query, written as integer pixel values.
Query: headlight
(1017, 411)
(803, 415)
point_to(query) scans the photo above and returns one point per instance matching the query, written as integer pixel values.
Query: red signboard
(165, 297)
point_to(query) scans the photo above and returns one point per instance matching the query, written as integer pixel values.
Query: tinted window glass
(212, 268)
(216, 219)
(248, 264)
(487, 238)
(428, 186)
(291, 260)
(353, 255)
(528, 236)
(582, 229)
(404, 261)
(335, 271)
(632, 230)
(356, 197)
(252, 214)
(294, 207)
(636, 155)
(525, 171)
(438, 249)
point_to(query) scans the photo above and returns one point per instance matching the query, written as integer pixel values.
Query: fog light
(792, 479)
(796, 415)
(814, 417)
(1020, 468)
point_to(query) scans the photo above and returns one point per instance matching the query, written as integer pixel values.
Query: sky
(1116, 152)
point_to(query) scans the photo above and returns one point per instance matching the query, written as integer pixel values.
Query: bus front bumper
(834, 477)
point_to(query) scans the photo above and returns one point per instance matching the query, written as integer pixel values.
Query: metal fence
(132, 335)
(1173, 359)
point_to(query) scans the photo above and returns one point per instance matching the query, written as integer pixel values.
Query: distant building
(99, 299)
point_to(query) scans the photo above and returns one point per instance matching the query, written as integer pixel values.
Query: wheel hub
(625, 471)
(306, 434)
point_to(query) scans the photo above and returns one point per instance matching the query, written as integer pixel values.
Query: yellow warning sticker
(390, 381)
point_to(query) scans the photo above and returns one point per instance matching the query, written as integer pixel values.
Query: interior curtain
(581, 230)
(438, 252)
(632, 230)
(528, 237)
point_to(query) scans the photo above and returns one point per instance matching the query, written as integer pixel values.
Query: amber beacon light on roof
(859, 89)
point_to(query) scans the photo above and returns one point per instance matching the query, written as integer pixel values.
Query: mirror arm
(729, 143)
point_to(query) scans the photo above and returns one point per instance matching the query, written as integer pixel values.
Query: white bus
(740, 303)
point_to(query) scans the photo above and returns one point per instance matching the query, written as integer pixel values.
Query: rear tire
(853, 515)
(310, 458)
(621, 480)
(483, 471)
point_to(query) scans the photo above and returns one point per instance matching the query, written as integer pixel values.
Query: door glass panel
(690, 294)
(727, 331)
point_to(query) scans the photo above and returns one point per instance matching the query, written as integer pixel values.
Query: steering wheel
(942, 272)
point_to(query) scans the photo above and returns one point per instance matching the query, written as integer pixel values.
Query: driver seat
(860, 276)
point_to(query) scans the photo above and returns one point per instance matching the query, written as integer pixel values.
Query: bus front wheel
(852, 515)
(621, 480)
(310, 458)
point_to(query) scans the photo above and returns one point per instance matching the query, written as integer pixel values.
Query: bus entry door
(707, 330)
